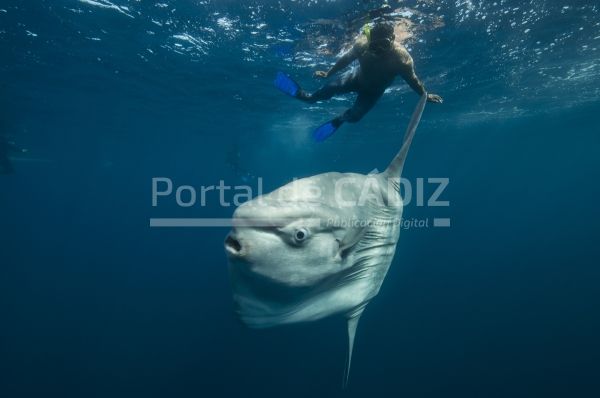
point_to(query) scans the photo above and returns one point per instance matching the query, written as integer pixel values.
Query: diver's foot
(326, 130)
(286, 84)
(304, 96)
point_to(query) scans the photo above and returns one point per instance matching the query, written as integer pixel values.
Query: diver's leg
(363, 104)
(342, 85)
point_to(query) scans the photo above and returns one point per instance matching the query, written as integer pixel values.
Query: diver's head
(381, 38)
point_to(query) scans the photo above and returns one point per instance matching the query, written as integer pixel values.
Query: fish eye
(301, 234)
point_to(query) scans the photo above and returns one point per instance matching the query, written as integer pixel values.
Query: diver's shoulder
(361, 44)
(402, 54)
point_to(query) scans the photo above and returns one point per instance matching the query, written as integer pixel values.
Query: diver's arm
(345, 60)
(407, 71)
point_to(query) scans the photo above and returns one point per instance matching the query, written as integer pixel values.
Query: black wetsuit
(378, 67)
(347, 83)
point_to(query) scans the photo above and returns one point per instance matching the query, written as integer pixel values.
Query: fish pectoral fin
(351, 238)
(352, 324)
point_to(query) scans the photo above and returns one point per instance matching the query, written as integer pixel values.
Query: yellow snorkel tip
(366, 29)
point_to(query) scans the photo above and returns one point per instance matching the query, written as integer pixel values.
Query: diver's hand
(434, 98)
(321, 74)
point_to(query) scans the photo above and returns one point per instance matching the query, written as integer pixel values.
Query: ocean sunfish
(318, 246)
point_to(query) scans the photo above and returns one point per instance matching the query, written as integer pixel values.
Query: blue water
(107, 95)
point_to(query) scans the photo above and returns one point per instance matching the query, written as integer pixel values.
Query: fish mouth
(233, 247)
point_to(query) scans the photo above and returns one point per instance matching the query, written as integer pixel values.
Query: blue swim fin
(285, 83)
(325, 131)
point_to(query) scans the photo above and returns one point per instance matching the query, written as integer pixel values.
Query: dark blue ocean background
(106, 95)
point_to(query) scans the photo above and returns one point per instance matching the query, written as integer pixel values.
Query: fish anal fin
(352, 325)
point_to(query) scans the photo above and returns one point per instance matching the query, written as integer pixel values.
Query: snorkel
(366, 30)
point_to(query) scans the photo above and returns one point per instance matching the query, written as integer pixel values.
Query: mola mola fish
(318, 246)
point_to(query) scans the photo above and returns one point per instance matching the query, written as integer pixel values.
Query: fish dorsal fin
(394, 170)
(352, 324)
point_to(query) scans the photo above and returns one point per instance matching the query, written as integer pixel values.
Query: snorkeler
(380, 60)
